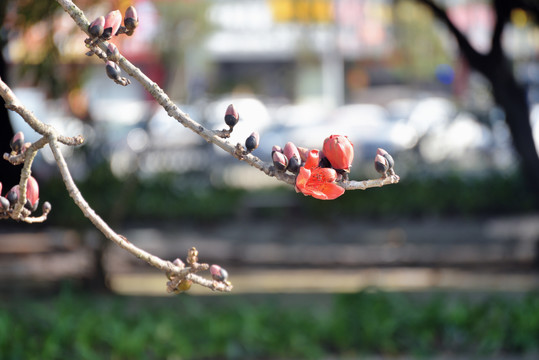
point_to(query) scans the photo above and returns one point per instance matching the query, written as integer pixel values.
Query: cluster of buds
(337, 153)
(320, 170)
(8, 202)
(384, 163)
(103, 28)
(181, 283)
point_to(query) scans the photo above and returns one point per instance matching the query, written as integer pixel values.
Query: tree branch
(473, 56)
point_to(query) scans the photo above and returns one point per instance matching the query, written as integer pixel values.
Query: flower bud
(303, 153)
(276, 148)
(279, 161)
(112, 52)
(290, 150)
(294, 165)
(47, 207)
(388, 157)
(192, 255)
(183, 286)
(218, 273)
(32, 192)
(339, 151)
(97, 27)
(113, 20)
(13, 195)
(231, 116)
(0, 188)
(17, 142)
(179, 263)
(113, 70)
(252, 141)
(131, 20)
(381, 164)
(4, 204)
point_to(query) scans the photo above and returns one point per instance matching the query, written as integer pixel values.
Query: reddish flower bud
(0, 188)
(112, 52)
(97, 26)
(113, 20)
(252, 141)
(312, 159)
(279, 161)
(388, 157)
(303, 153)
(290, 150)
(32, 191)
(231, 116)
(17, 142)
(339, 151)
(381, 164)
(4, 203)
(113, 70)
(218, 273)
(276, 148)
(131, 19)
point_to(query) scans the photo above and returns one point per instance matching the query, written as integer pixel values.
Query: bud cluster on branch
(322, 174)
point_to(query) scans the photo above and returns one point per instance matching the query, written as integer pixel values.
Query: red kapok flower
(316, 181)
(339, 151)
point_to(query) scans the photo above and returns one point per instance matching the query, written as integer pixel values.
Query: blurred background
(442, 265)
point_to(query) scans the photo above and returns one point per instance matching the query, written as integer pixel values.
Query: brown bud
(192, 256)
(113, 70)
(97, 26)
(17, 142)
(218, 273)
(13, 195)
(46, 207)
(4, 203)
(112, 52)
(231, 116)
(252, 141)
(279, 161)
(294, 165)
(381, 164)
(388, 157)
(131, 20)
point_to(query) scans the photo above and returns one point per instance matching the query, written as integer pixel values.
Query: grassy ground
(83, 326)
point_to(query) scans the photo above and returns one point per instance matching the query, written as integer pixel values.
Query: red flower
(339, 151)
(316, 181)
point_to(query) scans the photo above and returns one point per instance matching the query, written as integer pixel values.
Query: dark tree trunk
(508, 93)
(9, 174)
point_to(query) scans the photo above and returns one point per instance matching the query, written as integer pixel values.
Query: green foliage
(189, 197)
(86, 326)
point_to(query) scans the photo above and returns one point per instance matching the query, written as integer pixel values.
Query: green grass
(83, 326)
